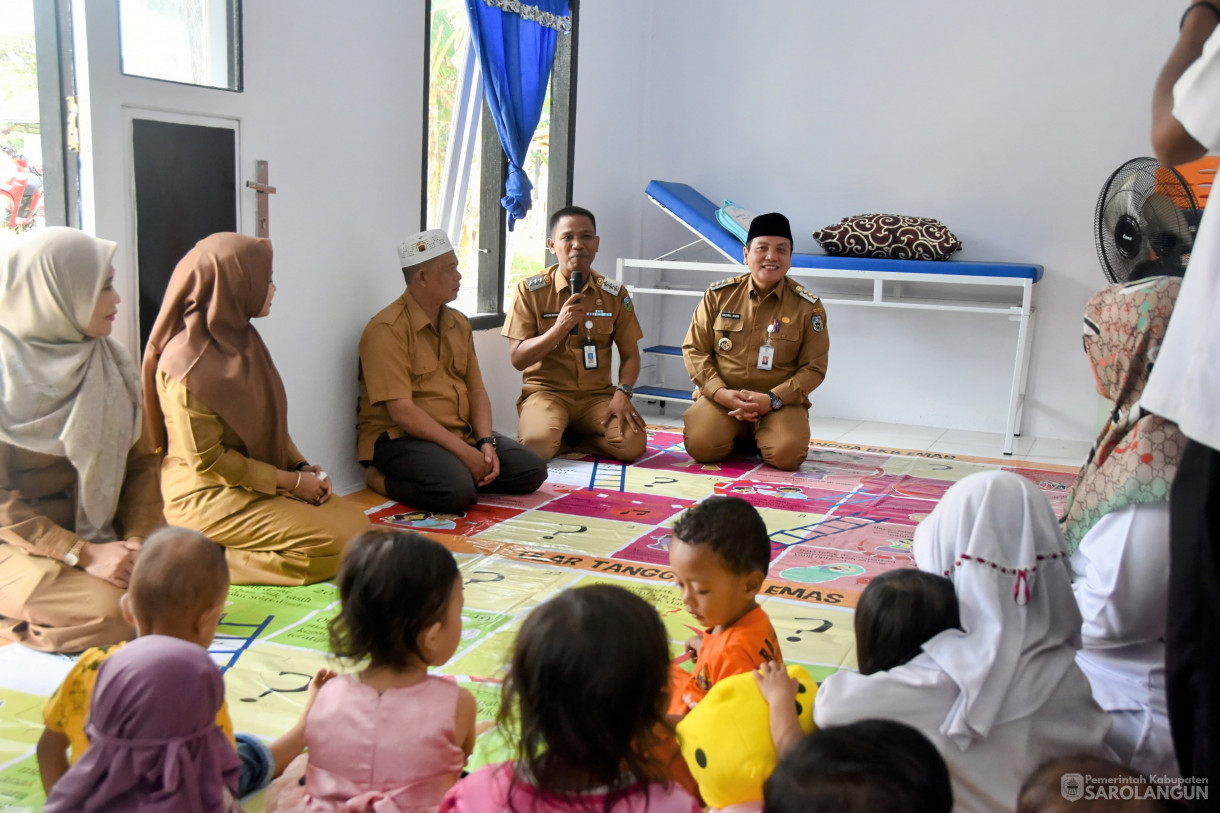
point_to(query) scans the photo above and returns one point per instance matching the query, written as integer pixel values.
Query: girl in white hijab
(71, 485)
(1003, 694)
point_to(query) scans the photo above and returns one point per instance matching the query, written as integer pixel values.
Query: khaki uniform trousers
(67, 610)
(272, 540)
(782, 436)
(544, 416)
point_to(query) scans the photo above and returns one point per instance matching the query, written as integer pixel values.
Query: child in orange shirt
(720, 552)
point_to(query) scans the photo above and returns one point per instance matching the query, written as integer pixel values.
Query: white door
(332, 99)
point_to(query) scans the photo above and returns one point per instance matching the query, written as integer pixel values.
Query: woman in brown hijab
(214, 400)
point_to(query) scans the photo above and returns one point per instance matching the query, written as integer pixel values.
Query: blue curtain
(515, 56)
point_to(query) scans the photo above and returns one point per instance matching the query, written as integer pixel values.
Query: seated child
(389, 737)
(873, 766)
(1098, 786)
(897, 613)
(156, 745)
(178, 588)
(586, 689)
(720, 552)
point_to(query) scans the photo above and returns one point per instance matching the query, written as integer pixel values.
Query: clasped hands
(314, 486)
(483, 463)
(744, 405)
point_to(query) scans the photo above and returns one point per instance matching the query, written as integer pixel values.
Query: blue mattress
(699, 214)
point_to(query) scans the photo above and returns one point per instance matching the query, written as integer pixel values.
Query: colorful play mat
(848, 514)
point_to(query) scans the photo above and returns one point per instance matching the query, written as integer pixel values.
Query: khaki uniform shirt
(38, 499)
(534, 310)
(403, 356)
(203, 453)
(730, 324)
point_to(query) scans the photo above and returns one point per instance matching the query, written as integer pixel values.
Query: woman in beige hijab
(213, 398)
(77, 492)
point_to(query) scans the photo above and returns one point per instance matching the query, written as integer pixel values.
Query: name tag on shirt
(588, 352)
(766, 357)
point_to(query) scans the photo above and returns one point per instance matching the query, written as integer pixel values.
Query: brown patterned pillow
(894, 237)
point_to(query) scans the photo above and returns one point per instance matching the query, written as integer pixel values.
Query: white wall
(1001, 119)
(333, 94)
(503, 383)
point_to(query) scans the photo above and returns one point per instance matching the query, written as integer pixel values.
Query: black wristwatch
(626, 389)
(478, 444)
(776, 402)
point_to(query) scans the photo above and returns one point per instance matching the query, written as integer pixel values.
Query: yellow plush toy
(726, 739)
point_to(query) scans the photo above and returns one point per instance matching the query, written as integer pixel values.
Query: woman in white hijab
(1003, 694)
(77, 493)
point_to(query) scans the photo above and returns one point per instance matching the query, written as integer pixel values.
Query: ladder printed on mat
(610, 475)
(824, 527)
(247, 640)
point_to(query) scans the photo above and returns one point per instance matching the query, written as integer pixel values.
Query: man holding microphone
(560, 327)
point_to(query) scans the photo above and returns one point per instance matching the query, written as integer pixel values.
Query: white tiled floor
(907, 436)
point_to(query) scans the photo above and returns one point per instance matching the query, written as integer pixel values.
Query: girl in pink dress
(587, 690)
(390, 737)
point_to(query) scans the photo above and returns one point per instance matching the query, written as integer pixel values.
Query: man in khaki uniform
(561, 340)
(424, 430)
(757, 346)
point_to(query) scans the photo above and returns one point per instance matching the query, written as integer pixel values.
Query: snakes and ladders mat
(848, 514)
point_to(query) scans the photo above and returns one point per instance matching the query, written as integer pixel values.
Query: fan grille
(1144, 221)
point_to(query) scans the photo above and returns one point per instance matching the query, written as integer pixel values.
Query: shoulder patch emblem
(611, 286)
(808, 296)
(627, 304)
(724, 283)
(534, 283)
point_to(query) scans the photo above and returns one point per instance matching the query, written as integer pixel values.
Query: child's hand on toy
(693, 645)
(780, 690)
(776, 685)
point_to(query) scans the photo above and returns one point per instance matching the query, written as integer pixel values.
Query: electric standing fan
(1145, 222)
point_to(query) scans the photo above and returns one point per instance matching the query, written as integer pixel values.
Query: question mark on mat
(580, 529)
(271, 690)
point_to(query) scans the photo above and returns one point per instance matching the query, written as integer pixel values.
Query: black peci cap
(772, 224)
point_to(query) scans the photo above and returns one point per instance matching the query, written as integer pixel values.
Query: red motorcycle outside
(20, 192)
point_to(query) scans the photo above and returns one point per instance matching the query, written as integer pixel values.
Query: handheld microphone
(578, 284)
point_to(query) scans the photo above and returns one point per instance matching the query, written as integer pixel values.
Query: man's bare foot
(375, 480)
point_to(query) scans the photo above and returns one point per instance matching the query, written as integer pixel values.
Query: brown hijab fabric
(203, 338)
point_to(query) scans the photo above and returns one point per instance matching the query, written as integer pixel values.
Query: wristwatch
(72, 557)
(478, 444)
(776, 402)
(626, 388)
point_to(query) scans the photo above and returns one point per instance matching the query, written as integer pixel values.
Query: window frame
(493, 170)
(234, 56)
(56, 85)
